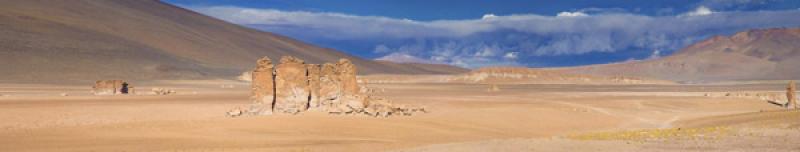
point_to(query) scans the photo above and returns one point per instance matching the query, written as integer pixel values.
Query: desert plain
(461, 117)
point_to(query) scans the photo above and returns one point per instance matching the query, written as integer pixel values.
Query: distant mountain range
(758, 54)
(46, 40)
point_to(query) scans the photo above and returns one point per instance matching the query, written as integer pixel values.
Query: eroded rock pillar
(330, 86)
(313, 85)
(263, 86)
(291, 86)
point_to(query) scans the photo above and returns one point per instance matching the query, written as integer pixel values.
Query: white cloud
(571, 14)
(511, 55)
(488, 16)
(700, 11)
(487, 40)
(402, 57)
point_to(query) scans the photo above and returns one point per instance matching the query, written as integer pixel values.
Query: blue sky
(476, 33)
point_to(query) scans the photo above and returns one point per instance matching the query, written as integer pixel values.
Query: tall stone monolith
(291, 86)
(330, 86)
(263, 86)
(351, 96)
(347, 75)
(313, 85)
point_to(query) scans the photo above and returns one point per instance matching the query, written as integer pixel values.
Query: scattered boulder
(291, 86)
(163, 91)
(235, 112)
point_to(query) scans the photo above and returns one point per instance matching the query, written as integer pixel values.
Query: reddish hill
(139, 39)
(762, 54)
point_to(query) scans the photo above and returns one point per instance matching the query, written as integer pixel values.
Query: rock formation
(107, 87)
(791, 96)
(314, 85)
(347, 75)
(263, 91)
(291, 86)
(330, 88)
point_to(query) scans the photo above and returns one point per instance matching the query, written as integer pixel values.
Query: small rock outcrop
(111, 87)
(329, 88)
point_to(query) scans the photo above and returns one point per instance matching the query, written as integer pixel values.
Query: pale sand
(463, 117)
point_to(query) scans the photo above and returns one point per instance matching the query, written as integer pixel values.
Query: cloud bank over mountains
(519, 39)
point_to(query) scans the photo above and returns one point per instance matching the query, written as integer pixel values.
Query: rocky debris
(235, 112)
(331, 88)
(775, 98)
(791, 96)
(291, 86)
(107, 87)
(493, 88)
(163, 91)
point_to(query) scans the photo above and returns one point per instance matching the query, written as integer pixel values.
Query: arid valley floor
(462, 117)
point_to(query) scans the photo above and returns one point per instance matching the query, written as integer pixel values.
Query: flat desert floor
(462, 117)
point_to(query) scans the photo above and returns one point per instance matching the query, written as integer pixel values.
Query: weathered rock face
(330, 86)
(263, 91)
(291, 86)
(107, 87)
(314, 84)
(347, 75)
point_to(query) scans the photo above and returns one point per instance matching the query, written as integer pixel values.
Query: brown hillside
(764, 54)
(142, 39)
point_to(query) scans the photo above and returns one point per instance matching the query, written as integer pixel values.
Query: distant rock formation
(331, 88)
(791, 96)
(108, 87)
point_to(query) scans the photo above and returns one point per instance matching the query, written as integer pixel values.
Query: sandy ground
(463, 117)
